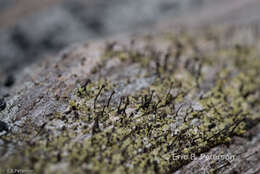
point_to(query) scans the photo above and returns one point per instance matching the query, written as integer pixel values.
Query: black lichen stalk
(2, 104)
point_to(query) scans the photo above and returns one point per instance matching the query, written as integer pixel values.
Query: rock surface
(33, 29)
(175, 100)
(131, 104)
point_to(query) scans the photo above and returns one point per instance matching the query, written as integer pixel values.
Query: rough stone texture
(245, 152)
(177, 92)
(33, 29)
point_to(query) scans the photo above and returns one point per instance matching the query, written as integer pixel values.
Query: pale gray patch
(197, 106)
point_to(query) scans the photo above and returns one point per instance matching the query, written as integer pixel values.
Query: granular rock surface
(135, 103)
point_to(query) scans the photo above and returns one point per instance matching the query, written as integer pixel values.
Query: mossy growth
(177, 114)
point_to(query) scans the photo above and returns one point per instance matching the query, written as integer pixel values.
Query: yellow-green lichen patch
(187, 108)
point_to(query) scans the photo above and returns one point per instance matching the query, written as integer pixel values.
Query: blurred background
(33, 29)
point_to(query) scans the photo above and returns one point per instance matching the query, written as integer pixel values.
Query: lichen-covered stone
(146, 100)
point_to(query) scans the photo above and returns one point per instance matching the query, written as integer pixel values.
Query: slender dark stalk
(99, 92)
(168, 95)
(96, 128)
(110, 97)
(178, 110)
(119, 106)
(165, 67)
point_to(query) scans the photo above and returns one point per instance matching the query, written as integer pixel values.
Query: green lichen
(141, 132)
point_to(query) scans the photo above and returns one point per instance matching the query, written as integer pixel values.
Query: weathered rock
(33, 29)
(148, 98)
